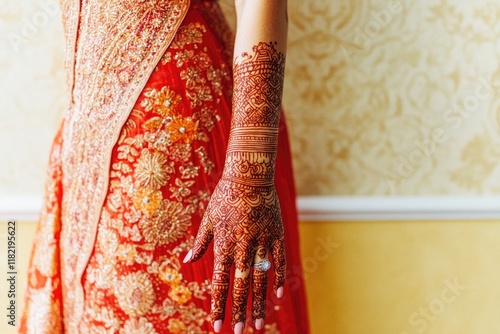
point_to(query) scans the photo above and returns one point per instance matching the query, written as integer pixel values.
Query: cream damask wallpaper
(382, 97)
(395, 97)
(32, 91)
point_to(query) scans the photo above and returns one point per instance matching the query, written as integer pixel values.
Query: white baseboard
(335, 208)
(345, 208)
(20, 208)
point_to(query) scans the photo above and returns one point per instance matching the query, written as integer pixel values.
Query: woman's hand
(245, 223)
(243, 216)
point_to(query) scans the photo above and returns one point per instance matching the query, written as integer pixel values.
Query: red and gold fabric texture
(163, 168)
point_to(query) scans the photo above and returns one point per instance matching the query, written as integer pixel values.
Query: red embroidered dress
(131, 171)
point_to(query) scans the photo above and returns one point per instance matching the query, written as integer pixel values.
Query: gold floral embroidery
(147, 200)
(191, 75)
(153, 124)
(188, 171)
(271, 329)
(153, 195)
(200, 95)
(169, 275)
(103, 275)
(108, 63)
(192, 314)
(184, 56)
(182, 129)
(168, 225)
(181, 152)
(189, 34)
(127, 253)
(159, 141)
(205, 162)
(128, 152)
(207, 118)
(105, 319)
(151, 169)
(107, 239)
(135, 294)
(180, 294)
(138, 326)
(181, 189)
(169, 308)
(176, 326)
(164, 102)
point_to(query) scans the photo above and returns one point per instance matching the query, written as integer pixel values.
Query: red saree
(124, 273)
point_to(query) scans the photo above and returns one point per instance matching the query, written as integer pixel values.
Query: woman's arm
(243, 216)
(258, 72)
(260, 21)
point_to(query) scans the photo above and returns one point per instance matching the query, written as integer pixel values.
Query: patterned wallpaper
(382, 97)
(32, 91)
(395, 97)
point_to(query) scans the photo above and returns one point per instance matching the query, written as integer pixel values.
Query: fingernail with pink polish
(279, 292)
(188, 257)
(218, 326)
(259, 323)
(238, 328)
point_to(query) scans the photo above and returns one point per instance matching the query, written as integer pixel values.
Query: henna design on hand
(240, 295)
(259, 288)
(220, 288)
(244, 214)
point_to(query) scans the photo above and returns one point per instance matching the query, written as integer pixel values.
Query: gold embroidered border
(118, 44)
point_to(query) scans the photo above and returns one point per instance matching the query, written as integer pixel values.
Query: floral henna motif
(258, 87)
(244, 214)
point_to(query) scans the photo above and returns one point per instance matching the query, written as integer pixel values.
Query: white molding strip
(345, 208)
(334, 208)
(21, 208)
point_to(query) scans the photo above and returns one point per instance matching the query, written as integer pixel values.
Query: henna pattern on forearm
(258, 87)
(244, 213)
(253, 141)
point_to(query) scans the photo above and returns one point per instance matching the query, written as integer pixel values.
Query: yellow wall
(372, 277)
(381, 275)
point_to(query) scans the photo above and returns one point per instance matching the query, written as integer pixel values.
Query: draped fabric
(132, 169)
